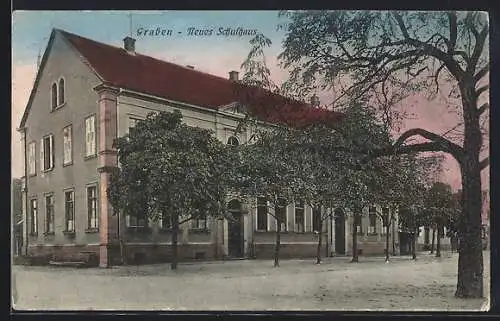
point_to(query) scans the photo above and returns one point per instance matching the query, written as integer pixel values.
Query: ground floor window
(299, 217)
(49, 214)
(70, 210)
(261, 214)
(280, 212)
(200, 222)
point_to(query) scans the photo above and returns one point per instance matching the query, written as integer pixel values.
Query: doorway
(235, 230)
(339, 231)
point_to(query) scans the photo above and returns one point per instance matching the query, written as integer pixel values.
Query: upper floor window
(233, 141)
(61, 94)
(132, 122)
(67, 145)
(90, 136)
(32, 158)
(47, 153)
(58, 93)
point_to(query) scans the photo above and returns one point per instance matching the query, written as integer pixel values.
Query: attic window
(233, 141)
(58, 94)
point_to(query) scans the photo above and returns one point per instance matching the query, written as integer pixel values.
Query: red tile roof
(163, 79)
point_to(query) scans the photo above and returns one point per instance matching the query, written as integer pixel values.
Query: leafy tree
(171, 171)
(397, 53)
(266, 171)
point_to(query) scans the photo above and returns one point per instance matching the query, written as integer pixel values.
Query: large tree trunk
(387, 242)
(438, 241)
(354, 242)
(318, 251)
(175, 236)
(470, 258)
(433, 238)
(277, 247)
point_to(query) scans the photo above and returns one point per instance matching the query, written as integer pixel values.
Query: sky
(214, 54)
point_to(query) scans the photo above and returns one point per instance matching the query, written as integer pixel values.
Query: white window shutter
(87, 137)
(42, 155)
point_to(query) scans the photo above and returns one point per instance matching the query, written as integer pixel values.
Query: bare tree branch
(482, 89)
(483, 108)
(484, 163)
(446, 145)
(481, 73)
(452, 18)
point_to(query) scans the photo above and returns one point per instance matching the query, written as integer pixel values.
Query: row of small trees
(175, 172)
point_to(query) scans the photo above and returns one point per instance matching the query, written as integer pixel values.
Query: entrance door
(235, 230)
(339, 231)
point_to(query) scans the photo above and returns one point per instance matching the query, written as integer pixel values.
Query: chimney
(233, 75)
(190, 66)
(129, 44)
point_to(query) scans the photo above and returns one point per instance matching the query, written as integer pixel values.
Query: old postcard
(250, 160)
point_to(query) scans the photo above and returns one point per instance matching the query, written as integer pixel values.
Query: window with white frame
(136, 221)
(49, 214)
(132, 122)
(200, 222)
(280, 213)
(61, 96)
(47, 153)
(69, 208)
(32, 158)
(67, 145)
(90, 136)
(372, 216)
(299, 217)
(34, 216)
(261, 214)
(92, 218)
(53, 95)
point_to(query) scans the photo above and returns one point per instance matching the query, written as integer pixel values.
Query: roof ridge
(64, 32)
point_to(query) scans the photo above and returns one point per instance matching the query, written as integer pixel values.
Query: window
(69, 208)
(49, 214)
(90, 136)
(357, 222)
(34, 216)
(135, 221)
(31, 158)
(233, 141)
(132, 122)
(67, 145)
(53, 91)
(92, 208)
(200, 222)
(47, 153)
(316, 219)
(299, 217)
(280, 212)
(261, 214)
(61, 95)
(166, 220)
(372, 216)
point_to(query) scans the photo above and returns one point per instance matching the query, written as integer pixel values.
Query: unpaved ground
(426, 284)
